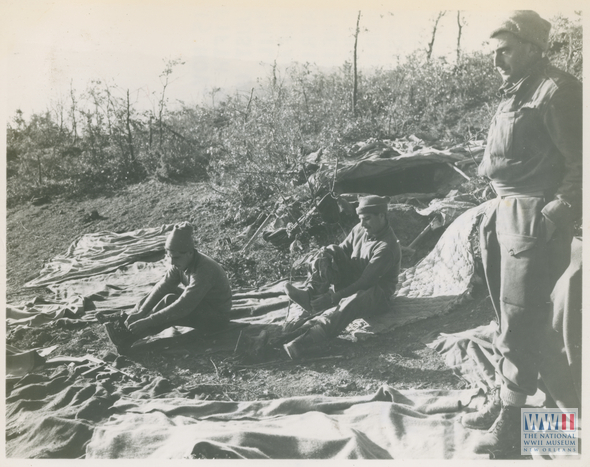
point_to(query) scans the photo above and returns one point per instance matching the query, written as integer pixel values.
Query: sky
(50, 47)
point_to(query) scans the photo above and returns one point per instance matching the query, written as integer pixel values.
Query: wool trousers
(336, 271)
(521, 266)
(203, 319)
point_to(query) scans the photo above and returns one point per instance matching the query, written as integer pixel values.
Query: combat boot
(313, 337)
(300, 296)
(503, 438)
(121, 337)
(484, 418)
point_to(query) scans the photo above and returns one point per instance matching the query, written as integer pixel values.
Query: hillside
(37, 233)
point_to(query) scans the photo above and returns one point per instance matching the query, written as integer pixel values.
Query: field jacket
(374, 260)
(204, 286)
(535, 140)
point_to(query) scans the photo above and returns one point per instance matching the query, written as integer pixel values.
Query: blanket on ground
(386, 425)
(470, 354)
(101, 252)
(39, 311)
(54, 416)
(65, 415)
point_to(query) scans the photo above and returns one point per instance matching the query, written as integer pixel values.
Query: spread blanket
(386, 425)
(65, 415)
(101, 252)
(104, 272)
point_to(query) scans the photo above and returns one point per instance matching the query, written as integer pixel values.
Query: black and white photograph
(293, 231)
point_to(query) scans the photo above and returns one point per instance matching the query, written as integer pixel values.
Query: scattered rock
(93, 216)
(269, 395)
(38, 201)
(351, 386)
(109, 357)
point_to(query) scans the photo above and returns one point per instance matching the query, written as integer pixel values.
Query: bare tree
(460, 24)
(434, 28)
(354, 70)
(73, 111)
(165, 80)
(213, 93)
(128, 126)
(58, 110)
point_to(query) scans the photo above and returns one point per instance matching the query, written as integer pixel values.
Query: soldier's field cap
(527, 25)
(181, 238)
(372, 205)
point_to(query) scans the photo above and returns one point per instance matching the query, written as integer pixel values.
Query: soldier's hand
(556, 213)
(322, 302)
(139, 326)
(133, 317)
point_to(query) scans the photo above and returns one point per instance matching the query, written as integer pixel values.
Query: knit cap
(372, 205)
(527, 25)
(181, 238)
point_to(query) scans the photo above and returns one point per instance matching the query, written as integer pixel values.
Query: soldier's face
(512, 57)
(180, 259)
(372, 223)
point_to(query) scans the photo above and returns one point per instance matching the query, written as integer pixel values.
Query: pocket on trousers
(521, 282)
(516, 245)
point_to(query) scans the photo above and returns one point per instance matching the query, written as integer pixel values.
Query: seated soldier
(195, 292)
(363, 271)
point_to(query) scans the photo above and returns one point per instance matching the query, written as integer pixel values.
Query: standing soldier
(534, 161)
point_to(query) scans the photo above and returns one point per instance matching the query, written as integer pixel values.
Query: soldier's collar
(379, 234)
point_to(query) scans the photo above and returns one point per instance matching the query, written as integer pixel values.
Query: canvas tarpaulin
(64, 415)
(39, 311)
(470, 354)
(54, 416)
(402, 174)
(445, 210)
(385, 425)
(389, 167)
(101, 252)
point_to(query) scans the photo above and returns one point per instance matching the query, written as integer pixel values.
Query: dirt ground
(208, 368)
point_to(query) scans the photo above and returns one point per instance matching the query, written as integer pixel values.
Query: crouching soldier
(354, 279)
(195, 292)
